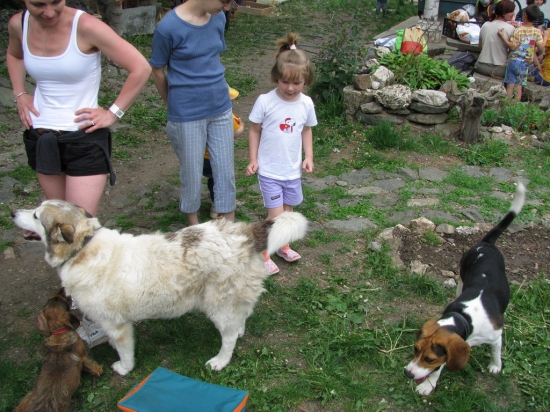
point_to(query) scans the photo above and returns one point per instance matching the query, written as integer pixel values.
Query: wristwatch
(117, 111)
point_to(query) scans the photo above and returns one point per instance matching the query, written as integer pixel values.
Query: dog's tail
(287, 227)
(517, 205)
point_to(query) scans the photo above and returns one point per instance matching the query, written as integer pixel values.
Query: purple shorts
(279, 192)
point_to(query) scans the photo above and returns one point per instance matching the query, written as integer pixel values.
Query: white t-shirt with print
(280, 151)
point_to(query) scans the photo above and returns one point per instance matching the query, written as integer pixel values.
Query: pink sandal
(271, 267)
(288, 254)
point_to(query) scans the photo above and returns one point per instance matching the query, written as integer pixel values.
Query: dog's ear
(458, 353)
(63, 233)
(74, 322)
(428, 329)
(42, 325)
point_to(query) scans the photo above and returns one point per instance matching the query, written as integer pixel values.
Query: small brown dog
(65, 358)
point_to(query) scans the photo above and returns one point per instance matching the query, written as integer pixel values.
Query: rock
(422, 225)
(375, 246)
(407, 173)
(418, 268)
(9, 253)
(382, 75)
(353, 99)
(428, 109)
(500, 174)
(445, 229)
(389, 185)
(466, 230)
(432, 174)
(362, 81)
(430, 97)
(352, 225)
(374, 119)
(449, 283)
(365, 191)
(396, 96)
(422, 202)
(473, 214)
(473, 171)
(448, 273)
(428, 119)
(348, 202)
(356, 177)
(401, 112)
(380, 51)
(437, 214)
(371, 108)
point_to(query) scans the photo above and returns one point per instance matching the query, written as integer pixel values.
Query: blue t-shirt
(196, 84)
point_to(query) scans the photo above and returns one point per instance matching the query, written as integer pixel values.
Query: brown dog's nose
(408, 374)
(13, 213)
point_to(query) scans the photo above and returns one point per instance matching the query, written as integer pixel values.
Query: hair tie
(292, 47)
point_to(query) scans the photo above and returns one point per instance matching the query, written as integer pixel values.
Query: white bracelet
(18, 96)
(116, 111)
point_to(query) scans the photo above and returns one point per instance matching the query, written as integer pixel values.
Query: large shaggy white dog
(116, 279)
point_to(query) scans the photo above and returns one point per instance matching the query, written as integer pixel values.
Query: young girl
(281, 122)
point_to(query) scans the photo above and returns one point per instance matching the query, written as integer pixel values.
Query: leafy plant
(523, 117)
(421, 71)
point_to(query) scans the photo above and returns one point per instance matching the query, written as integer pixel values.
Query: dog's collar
(461, 324)
(61, 331)
(74, 252)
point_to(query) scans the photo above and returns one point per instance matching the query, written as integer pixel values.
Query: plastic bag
(468, 33)
(459, 15)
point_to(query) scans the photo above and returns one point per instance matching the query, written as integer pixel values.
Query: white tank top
(64, 83)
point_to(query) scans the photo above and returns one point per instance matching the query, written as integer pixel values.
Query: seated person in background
(539, 22)
(494, 52)
(522, 55)
(485, 9)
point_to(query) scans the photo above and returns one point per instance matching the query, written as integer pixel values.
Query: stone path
(381, 187)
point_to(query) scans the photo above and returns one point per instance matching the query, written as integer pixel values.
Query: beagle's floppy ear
(42, 325)
(428, 329)
(458, 353)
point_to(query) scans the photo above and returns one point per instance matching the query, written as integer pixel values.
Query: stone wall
(372, 98)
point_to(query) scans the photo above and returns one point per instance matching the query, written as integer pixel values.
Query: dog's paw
(121, 370)
(425, 388)
(217, 364)
(493, 368)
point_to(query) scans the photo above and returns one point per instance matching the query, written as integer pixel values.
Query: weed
(431, 238)
(384, 136)
(489, 153)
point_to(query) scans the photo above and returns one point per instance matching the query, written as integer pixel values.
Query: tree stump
(472, 105)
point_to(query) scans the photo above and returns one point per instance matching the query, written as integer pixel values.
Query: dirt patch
(526, 252)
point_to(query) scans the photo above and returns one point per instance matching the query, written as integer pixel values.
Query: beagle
(476, 316)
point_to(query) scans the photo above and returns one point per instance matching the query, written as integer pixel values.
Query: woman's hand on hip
(93, 119)
(25, 106)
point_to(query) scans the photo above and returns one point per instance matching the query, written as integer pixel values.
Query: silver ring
(93, 124)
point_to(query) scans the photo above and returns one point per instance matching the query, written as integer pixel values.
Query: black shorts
(79, 158)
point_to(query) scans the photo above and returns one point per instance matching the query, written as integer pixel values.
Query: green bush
(422, 72)
(340, 59)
